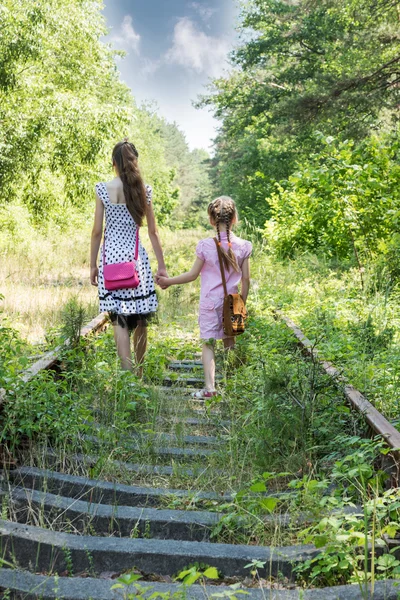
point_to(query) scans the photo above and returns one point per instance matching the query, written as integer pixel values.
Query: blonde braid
(217, 228)
(224, 208)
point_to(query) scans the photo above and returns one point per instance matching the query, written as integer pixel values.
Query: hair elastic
(229, 244)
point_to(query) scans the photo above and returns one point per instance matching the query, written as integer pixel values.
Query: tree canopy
(191, 174)
(303, 66)
(63, 107)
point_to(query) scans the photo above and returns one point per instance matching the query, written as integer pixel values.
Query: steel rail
(50, 359)
(374, 418)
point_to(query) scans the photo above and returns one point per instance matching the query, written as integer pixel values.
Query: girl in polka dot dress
(235, 255)
(126, 201)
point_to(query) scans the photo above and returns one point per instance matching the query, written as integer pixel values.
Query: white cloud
(127, 36)
(205, 12)
(149, 66)
(195, 50)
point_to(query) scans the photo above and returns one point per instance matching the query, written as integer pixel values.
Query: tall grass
(358, 329)
(41, 270)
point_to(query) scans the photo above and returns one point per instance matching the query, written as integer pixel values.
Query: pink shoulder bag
(121, 276)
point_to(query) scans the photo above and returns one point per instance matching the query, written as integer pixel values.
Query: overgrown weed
(290, 431)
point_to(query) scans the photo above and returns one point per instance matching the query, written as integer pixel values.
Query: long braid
(217, 228)
(228, 219)
(228, 222)
(125, 157)
(224, 209)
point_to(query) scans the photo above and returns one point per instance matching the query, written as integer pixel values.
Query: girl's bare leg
(123, 343)
(140, 346)
(208, 358)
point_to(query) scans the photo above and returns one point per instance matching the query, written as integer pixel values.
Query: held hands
(161, 275)
(163, 282)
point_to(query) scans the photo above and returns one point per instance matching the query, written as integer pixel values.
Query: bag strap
(221, 264)
(136, 246)
(104, 249)
(137, 243)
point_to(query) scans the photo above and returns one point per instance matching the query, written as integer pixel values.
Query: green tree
(344, 201)
(60, 102)
(305, 65)
(63, 107)
(192, 174)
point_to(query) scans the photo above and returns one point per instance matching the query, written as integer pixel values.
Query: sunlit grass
(41, 271)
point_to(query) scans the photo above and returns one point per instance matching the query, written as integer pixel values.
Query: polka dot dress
(120, 236)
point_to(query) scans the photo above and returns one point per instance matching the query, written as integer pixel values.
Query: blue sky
(174, 47)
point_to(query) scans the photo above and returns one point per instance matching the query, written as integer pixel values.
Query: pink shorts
(210, 320)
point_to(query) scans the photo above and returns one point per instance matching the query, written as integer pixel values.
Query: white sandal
(204, 394)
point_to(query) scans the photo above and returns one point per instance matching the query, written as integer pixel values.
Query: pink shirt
(212, 290)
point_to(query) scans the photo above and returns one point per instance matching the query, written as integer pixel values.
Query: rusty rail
(50, 359)
(46, 362)
(375, 420)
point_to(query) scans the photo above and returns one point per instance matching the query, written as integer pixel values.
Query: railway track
(70, 536)
(378, 424)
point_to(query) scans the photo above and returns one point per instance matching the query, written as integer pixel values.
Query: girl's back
(211, 281)
(115, 191)
(235, 258)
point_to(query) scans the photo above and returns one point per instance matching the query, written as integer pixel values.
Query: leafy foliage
(317, 61)
(63, 107)
(56, 82)
(12, 356)
(343, 198)
(192, 176)
(306, 66)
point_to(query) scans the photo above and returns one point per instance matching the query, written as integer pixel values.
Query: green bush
(12, 354)
(345, 200)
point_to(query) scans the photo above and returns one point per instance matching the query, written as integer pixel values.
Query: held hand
(163, 282)
(161, 273)
(94, 274)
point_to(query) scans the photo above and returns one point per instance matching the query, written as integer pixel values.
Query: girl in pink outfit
(235, 253)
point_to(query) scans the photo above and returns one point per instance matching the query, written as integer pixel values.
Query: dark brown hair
(125, 158)
(223, 210)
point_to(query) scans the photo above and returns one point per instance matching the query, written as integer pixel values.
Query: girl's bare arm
(245, 279)
(191, 275)
(155, 240)
(97, 232)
